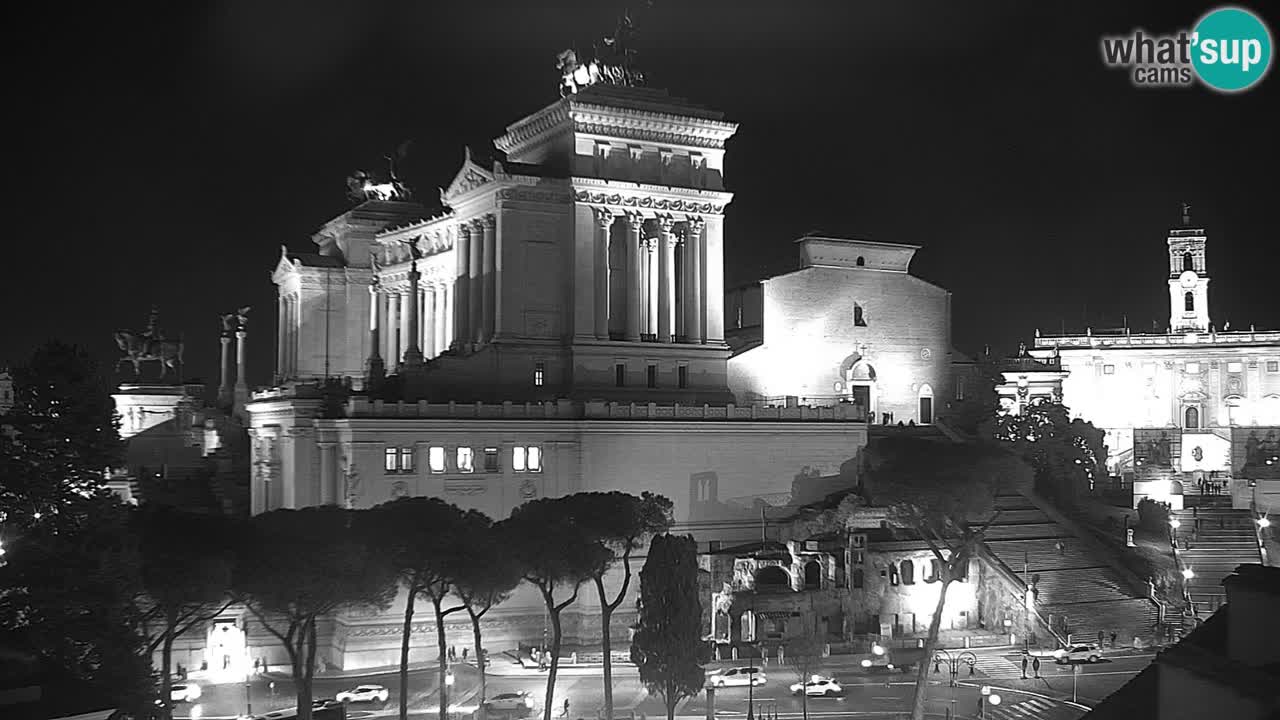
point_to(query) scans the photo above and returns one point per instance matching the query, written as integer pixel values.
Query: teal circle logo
(1231, 49)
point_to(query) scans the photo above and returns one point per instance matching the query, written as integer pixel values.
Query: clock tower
(1188, 278)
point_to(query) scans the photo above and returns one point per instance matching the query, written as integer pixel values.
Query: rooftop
(1125, 338)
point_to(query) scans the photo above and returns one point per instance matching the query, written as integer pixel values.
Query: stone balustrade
(1148, 340)
(359, 407)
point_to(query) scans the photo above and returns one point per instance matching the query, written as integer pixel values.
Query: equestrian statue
(149, 345)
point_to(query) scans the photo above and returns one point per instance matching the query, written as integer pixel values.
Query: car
(1078, 653)
(736, 677)
(818, 685)
(184, 692)
(364, 693)
(519, 702)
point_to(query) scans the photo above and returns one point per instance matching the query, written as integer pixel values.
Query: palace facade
(1194, 403)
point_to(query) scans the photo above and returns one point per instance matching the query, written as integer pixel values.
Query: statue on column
(228, 324)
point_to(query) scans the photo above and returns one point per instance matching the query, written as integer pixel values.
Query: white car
(520, 702)
(184, 692)
(818, 686)
(736, 677)
(363, 693)
(1078, 653)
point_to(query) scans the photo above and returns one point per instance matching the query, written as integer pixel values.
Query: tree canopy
(1068, 456)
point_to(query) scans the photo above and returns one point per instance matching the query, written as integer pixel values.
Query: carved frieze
(648, 203)
(464, 487)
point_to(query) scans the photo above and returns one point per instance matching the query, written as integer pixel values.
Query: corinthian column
(604, 221)
(461, 294)
(693, 270)
(281, 338)
(429, 322)
(666, 283)
(475, 304)
(224, 387)
(634, 293)
(651, 286)
(376, 369)
(489, 274)
(393, 327)
(413, 353)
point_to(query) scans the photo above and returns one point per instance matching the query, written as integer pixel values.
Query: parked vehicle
(184, 692)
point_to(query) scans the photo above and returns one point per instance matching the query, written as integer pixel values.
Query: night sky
(163, 156)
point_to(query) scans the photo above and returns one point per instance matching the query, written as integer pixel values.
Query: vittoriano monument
(150, 345)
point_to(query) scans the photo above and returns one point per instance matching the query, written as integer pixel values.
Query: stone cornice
(654, 198)
(529, 131)
(649, 126)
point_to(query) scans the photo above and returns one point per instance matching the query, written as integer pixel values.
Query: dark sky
(163, 156)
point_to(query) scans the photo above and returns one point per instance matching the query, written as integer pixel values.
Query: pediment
(469, 177)
(284, 267)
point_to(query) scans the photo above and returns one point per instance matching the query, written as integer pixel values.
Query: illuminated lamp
(1187, 573)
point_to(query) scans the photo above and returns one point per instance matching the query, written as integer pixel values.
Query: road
(867, 695)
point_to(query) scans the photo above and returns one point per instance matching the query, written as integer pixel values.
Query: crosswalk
(1031, 709)
(998, 667)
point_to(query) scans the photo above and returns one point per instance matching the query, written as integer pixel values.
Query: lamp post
(448, 683)
(953, 663)
(985, 698)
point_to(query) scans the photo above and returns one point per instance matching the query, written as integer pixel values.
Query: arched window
(858, 578)
(1235, 411)
(934, 568)
(1193, 418)
(861, 261)
(1188, 261)
(908, 572)
(1269, 410)
(772, 577)
(813, 575)
(858, 318)
(1189, 302)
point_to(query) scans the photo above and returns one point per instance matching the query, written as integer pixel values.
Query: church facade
(1195, 403)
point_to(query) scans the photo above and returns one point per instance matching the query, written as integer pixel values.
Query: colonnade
(664, 278)
(391, 308)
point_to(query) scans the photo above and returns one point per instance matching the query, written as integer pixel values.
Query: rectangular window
(491, 460)
(682, 376)
(1273, 366)
(466, 459)
(391, 460)
(526, 458)
(651, 376)
(1193, 367)
(1235, 367)
(538, 373)
(620, 374)
(435, 459)
(535, 458)
(960, 388)
(1108, 369)
(406, 459)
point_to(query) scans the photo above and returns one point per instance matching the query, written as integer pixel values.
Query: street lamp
(1187, 573)
(1263, 522)
(986, 697)
(953, 663)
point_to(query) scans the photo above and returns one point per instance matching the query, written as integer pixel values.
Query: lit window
(491, 460)
(960, 388)
(538, 372)
(406, 459)
(435, 459)
(526, 458)
(466, 460)
(391, 461)
(1235, 367)
(1193, 367)
(1108, 369)
(652, 376)
(682, 376)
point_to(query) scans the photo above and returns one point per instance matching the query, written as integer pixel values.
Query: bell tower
(1188, 278)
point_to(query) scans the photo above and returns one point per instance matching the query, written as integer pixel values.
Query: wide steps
(1081, 586)
(1027, 530)
(1084, 620)
(1041, 554)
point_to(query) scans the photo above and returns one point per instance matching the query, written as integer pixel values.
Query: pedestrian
(1024, 666)
(1062, 548)
(1035, 665)
(1113, 639)
(1101, 636)
(464, 654)
(256, 663)
(566, 707)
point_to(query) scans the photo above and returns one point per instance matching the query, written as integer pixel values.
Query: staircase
(1225, 539)
(1075, 587)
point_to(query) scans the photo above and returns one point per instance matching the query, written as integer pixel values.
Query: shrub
(1153, 515)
